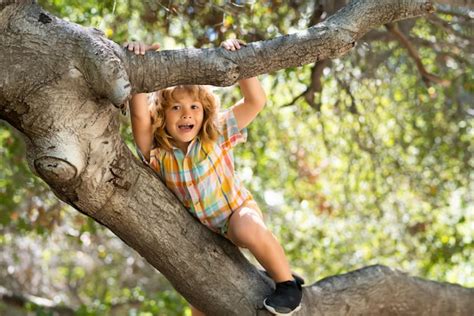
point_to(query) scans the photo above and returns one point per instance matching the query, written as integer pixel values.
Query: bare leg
(247, 230)
(195, 311)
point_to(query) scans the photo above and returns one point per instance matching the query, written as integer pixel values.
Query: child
(184, 131)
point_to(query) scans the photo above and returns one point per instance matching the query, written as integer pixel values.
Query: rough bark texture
(58, 86)
(379, 290)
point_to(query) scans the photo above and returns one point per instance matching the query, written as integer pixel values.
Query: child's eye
(194, 106)
(175, 107)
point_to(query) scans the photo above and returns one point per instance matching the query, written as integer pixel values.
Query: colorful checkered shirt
(204, 179)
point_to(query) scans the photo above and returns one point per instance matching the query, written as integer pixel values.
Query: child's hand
(232, 44)
(140, 48)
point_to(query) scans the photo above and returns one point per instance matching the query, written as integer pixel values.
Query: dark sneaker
(286, 299)
(297, 277)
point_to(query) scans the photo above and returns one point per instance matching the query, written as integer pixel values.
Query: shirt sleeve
(154, 161)
(230, 135)
(140, 155)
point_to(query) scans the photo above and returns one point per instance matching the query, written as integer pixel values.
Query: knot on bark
(228, 70)
(44, 18)
(57, 158)
(104, 70)
(428, 7)
(55, 170)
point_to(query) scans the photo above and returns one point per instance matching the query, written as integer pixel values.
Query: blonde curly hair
(165, 98)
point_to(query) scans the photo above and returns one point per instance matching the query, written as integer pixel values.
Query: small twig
(405, 41)
(326, 143)
(436, 20)
(292, 102)
(347, 88)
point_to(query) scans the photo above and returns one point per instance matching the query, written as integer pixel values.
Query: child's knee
(246, 229)
(195, 311)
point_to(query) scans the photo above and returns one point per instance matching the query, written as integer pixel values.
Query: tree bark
(379, 290)
(58, 84)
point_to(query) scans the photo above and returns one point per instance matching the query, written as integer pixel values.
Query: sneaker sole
(273, 311)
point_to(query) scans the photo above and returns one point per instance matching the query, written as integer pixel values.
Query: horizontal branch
(380, 290)
(22, 300)
(329, 39)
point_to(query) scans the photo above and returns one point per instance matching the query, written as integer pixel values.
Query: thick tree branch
(379, 290)
(22, 300)
(329, 39)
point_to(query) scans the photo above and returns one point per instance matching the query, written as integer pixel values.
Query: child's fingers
(136, 48)
(241, 42)
(236, 43)
(224, 44)
(233, 44)
(142, 48)
(132, 46)
(154, 46)
(228, 44)
(129, 46)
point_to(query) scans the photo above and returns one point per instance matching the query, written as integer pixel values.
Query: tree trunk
(58, 84)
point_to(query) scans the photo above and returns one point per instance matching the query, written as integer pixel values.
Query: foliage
(379, 171)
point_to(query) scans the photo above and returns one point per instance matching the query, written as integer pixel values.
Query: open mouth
(185, 127)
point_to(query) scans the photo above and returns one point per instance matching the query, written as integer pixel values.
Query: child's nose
(186, 114)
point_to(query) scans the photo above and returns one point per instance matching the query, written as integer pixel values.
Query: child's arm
(252, 102)
(139, 112)
(254, 97)
(141, 123)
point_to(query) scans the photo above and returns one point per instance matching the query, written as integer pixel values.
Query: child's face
(183, 119)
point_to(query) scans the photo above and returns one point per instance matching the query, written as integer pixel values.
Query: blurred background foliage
(360, 160)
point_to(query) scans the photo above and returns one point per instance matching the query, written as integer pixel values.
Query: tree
(63, 108)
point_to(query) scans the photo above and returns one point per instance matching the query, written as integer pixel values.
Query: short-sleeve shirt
(203, 179)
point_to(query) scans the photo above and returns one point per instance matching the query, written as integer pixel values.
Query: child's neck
(183, 146)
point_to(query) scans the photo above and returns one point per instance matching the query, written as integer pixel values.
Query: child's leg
(195, 311)
(247, 230)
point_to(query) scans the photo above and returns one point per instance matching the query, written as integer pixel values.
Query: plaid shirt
(204, 179)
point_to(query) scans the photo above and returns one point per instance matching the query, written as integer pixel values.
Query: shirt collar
(193, 143)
